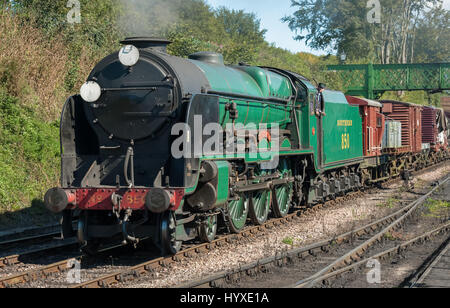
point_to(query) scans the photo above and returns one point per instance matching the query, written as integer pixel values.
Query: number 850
(345, 141)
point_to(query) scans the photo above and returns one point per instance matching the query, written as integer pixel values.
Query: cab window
(312, 103)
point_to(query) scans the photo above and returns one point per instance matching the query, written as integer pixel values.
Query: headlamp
(90, 91)
(129, 55)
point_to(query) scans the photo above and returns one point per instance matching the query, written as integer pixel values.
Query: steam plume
(148, 17)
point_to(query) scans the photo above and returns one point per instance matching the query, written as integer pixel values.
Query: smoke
(148, 17)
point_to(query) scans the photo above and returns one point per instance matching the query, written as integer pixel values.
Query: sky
(270, 12)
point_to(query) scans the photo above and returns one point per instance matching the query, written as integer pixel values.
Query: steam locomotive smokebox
(137, 102)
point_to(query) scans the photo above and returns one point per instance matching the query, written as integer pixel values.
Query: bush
(32, 67)
(29, 154)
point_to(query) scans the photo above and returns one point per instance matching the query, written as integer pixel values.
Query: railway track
(252, 268)
(46, 271)
(21, 258)
(7, 244)
(324, 279)
(25, 247)
(31, 236)
(151, 266)
(37, 274)
(339, 266)
(358, 252)
(436, 272)
(9, 235)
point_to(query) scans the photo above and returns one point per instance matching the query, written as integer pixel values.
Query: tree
(98, 27)
(342, 26)
(432, 37)
(244, 35)
(235, 34)
(241, 26)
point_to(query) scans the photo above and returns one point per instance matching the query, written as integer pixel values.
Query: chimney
(150, 43)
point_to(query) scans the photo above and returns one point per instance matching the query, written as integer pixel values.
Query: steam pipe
(128, 157)
(127, 237)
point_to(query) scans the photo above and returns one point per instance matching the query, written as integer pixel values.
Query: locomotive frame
(119, 173)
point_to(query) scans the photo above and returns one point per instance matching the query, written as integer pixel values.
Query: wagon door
(417, 130)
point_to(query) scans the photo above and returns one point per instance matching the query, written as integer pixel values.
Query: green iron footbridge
(372, 80)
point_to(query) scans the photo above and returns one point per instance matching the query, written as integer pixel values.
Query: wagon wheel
(237, 213)
(260, 206)
(208, 229)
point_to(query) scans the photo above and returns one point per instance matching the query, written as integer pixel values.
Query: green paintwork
(271, 84)
(337, 111)
(372, 80)
(191, 190)
(342, 135)
(255, 82)
(261, 200)
(238, 213)
(260, 77)
(249, 81)
(253, 112)
(283, 192)
(246, 80)
(260, 84)
(260, 206)
(223, 182)
(227, 79)
(286, 144)
(284, 197)
(305, 120)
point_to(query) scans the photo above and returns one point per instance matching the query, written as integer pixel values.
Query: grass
(437, 208)
(288, 241)
(390, 203)
(29, 155)
(389, 236)
(393, 236)
(293, 242)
